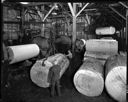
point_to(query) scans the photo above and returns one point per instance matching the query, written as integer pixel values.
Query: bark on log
(39, 73)
(88, 79)
(115, 81)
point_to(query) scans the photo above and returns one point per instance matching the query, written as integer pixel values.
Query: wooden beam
(117, 12)
(36, 4)
(82, 9)
(123, 4)
(71, 9)
(48, 13)
(126, 26)
(74, 29)
(87, 19)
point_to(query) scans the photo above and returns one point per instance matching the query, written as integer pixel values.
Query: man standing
(53, 79)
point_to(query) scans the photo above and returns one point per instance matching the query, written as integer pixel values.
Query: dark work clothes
(76, 62)
(5, 72)
(53, 79)
(54, 74)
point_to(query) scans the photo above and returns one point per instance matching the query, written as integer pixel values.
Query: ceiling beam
(48, 13)
(117, 12)
(71, 9)
(35, 4)
(82, 9)
(88, 20)
(123, 4)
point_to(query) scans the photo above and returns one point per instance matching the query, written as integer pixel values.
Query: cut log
(22, 52)
(102, 45)
(115, 81)
(39, 73)
(105, 31)
(98, 55)
(88, 80)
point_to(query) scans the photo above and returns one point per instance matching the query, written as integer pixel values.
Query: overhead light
(56, 6)
(24, 3)
(54, 13)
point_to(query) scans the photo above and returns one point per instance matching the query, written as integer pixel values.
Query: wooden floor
(22, 89)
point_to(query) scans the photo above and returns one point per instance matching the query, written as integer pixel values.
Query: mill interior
(87, 40)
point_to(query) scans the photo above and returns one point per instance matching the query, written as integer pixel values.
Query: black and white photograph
(64, 51)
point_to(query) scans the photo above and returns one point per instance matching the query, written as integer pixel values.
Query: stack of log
(89, 78)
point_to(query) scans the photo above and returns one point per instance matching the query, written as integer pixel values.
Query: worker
(54, 79)
(5, 72)
(5, 64)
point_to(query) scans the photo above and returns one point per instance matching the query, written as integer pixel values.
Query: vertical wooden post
(22, 23)
(42, 25)
(126, 26)
(74, 28)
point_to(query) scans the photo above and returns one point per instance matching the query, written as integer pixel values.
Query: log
(105, 30)
(39, 73)
(115, 73)
(102, 45)
(102, 61)
(88, 80)
(98, 55)
(22, 52)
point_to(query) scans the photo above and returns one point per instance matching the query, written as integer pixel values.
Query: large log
(39, 73)
(102, 45)
(105, 30)
(88, 80)
(115, 81)
(22, 52)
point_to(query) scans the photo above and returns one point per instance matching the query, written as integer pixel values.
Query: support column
(42, 25)
(74, 28)
(126, 26)
(22, 24)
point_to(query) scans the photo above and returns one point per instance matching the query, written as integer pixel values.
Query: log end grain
(116, 83)
(38, 74)
(89, 83)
